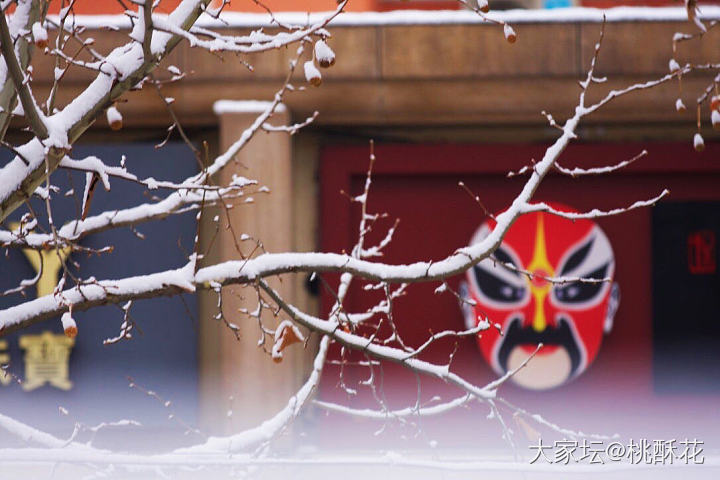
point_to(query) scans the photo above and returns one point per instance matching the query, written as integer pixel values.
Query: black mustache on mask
(559, 335)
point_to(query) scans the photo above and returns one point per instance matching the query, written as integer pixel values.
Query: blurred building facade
(447, 102)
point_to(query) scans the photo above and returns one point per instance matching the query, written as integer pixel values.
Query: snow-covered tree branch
(53, 130)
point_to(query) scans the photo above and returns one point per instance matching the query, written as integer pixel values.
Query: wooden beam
(424, 75)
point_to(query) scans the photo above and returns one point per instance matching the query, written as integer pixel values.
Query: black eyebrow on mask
(577, 257)
(583, 291)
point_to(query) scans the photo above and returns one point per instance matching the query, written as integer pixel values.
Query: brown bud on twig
(312, 74)
(698, 143)
(715, 103)
(715, 119)
(680, 106)
(324, 54)
(40, 36)
(69, 325)
(510, 34)
(114, 118)
(483, 6)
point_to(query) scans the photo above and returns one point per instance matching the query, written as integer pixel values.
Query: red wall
(419, 185)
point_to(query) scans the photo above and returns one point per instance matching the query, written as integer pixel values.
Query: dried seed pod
(698, 143)
(286, 334)
(312, 74)
(483, 6)
(680, 106)
(69, 325)
(510, 34)
(114, 118)
(324, 54)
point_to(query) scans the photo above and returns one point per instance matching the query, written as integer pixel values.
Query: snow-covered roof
(430, 17)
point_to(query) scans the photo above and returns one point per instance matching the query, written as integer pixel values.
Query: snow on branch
(121, 70)
(425, 411)
(595, 213)
(577, 172)
(124, 68)
(130, 65)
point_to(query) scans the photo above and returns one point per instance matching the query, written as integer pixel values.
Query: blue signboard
(53, 381)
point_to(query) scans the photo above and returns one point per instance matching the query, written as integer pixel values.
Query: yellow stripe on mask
(540, 265)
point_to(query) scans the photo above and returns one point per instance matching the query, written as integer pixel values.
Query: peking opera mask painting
(512, 291)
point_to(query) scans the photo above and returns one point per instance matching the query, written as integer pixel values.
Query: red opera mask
(568, 318)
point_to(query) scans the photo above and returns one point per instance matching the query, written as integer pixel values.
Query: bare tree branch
(19, 81)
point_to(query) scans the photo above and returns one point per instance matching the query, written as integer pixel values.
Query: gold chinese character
(47, 358)
(49, 260)
(5, 377)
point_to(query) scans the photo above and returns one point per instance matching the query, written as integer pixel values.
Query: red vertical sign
(701, 252)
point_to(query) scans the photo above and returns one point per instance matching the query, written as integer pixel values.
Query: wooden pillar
(240, 384)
